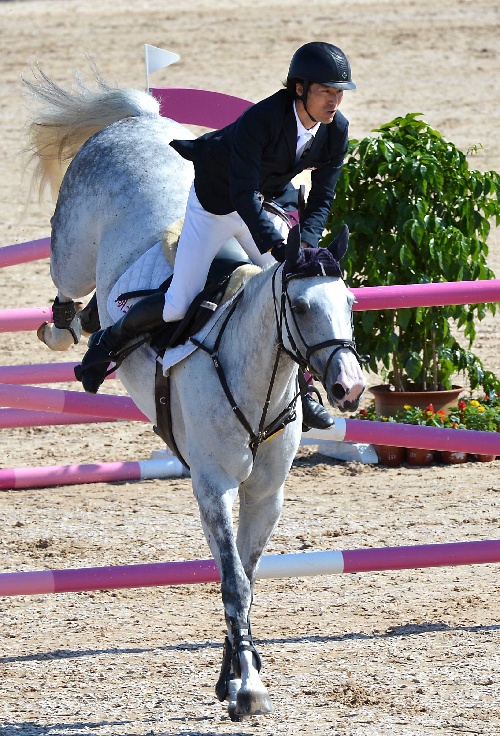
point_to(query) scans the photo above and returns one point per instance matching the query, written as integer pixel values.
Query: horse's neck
(249, 347)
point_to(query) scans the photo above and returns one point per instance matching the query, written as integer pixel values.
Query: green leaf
(417, 213)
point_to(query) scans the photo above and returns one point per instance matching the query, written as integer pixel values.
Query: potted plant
(417, 213)
(481, 414)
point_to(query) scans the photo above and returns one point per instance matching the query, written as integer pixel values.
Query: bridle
(295, 354)
(288, 415)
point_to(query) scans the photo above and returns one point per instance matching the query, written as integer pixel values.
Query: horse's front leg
(239, 683)
(258, 517)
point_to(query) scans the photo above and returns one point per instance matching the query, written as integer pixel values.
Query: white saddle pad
(148, 272)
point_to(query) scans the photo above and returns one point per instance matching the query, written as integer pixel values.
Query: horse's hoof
(233, 685)
(231, 710)
(252, 704)
(55, 338)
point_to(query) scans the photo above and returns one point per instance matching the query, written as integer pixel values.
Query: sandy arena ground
(401, 654)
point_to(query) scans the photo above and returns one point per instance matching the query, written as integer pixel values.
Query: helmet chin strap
(303, 99)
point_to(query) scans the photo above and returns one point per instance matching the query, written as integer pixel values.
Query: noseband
(295, 354)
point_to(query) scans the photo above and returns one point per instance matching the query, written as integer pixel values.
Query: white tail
(61, 121)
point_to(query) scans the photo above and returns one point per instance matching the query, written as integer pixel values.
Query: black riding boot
(145, 316)
(314, 414)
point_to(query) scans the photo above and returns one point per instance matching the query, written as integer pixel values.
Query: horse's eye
(300, 306)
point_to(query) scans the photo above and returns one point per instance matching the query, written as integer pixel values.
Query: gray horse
(123, 187)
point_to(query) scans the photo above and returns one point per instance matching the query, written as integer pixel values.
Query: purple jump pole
(271, 566)
(425, 555)
(33, 250)
(63, 475)
(12, 418)
(69, 402)
(199, 106)
(39, 373)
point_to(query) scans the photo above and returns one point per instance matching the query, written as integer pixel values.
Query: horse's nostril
(338, 391)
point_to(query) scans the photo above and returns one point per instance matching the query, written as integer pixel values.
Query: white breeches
(203, 235)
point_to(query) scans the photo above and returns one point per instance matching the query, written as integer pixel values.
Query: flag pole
(147, 66)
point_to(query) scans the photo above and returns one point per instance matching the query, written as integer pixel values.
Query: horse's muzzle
(346, 392)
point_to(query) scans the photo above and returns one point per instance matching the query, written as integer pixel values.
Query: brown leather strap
(163, 426)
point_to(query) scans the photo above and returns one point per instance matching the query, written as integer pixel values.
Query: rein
(264, 432)
(288, 414)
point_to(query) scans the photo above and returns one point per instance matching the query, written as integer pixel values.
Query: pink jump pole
(15, 418)
(33, 250)
(69, 402)
(348, 430)
(271, 566)
(367, 298)
(39, 373)
(426, 295)
(24, 319)
(408, 435)
(65, 475)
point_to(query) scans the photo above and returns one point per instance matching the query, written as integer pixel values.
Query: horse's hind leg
(73, 255)
(216, 495)
(66, 329)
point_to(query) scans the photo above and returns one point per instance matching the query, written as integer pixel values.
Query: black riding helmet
(322, 63)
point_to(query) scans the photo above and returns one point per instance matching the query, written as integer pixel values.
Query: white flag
(158, 58)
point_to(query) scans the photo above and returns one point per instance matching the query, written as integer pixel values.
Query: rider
(239, 169)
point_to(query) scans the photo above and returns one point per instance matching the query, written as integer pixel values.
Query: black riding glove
(278, 252)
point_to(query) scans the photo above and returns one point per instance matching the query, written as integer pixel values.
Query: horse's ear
(338, 247)
(292, 248)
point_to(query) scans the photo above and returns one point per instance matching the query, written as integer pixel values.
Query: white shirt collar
(301, 130)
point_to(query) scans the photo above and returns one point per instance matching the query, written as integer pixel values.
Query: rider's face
(322, 102)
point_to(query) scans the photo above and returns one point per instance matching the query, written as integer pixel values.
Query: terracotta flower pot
(418, 456)
(388, 403)
(484, 458)
(390, 455)
(453, 458)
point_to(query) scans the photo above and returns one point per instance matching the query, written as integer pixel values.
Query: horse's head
(317, 318)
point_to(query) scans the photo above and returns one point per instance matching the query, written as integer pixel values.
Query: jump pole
(18, 418)
(305, 564)
(71, 402)
(367, 298)
(33, 250)
(24, 319)
(40, 373)
(409, 435)
(64, 475)
(343, 430)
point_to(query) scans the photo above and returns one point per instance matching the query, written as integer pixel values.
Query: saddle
(228, 272)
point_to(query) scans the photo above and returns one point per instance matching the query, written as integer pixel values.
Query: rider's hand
(278, 252)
